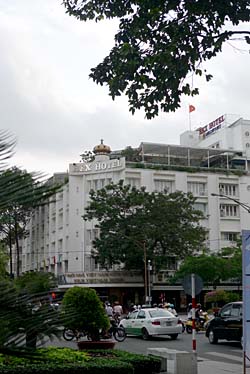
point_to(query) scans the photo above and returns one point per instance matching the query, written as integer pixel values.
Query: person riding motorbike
(199, 315)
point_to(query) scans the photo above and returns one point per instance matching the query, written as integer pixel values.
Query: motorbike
(199, 324)
(116, 332)
(70, 334)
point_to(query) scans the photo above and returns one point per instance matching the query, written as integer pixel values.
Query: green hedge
(69, 361)
(141, 363)
(97, 366)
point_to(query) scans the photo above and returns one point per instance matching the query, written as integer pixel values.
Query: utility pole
(145, 271)
(149, 281)
(245, 284)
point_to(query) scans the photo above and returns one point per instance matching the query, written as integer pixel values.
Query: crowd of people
(116, 310)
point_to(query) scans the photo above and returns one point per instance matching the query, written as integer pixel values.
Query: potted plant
(83, 310)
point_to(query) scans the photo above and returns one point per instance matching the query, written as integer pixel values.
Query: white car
(151, 322)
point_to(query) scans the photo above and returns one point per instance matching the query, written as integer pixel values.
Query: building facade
(60, 241)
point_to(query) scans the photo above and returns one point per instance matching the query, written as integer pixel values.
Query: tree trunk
(17, 249)
(10, 246)
(31, 339)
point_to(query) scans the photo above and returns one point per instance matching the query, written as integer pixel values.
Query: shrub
(220, 297)
(82, 309)
(62, 361)
(141, 364)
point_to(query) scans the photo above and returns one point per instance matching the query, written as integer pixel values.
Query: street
(224, 352)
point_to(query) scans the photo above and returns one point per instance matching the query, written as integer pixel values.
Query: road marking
(224, 355)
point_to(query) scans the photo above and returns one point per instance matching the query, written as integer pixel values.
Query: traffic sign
(187, 284)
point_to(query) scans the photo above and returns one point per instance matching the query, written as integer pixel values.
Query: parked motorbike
(199, 324)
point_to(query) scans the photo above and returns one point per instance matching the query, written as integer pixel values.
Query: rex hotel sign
(211, 127)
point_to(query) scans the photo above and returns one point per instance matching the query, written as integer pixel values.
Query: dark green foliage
(221, 297)
(82, 309)
(132, 221)
(36, 282)
(65, 360)
(26, 316)
(20, 188)
(19, 193)
(141, 364)
(159, 43)
(215, 268)
(3, 262)
(98, 367)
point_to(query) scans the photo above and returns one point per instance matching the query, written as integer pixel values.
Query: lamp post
(145, 271)
(149, 281)
(246, 286)
(243, 205)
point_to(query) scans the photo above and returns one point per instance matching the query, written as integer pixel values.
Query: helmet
(171, 306)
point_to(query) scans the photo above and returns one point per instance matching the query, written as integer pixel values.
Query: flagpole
(191, 108)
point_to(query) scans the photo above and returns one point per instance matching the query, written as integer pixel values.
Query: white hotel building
(206, 162)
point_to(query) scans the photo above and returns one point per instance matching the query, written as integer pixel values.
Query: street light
(246, 284)
(149, 281)
(243, 205)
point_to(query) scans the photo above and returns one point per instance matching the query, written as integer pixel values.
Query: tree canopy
(221, 266)
(133, 222)
(20, 191)
(159, 44)
(83, 309)
(36, 282)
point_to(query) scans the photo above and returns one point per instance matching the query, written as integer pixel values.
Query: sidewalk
(216, 367)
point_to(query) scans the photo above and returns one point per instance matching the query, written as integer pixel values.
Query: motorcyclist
(199, 315)
(189, 311)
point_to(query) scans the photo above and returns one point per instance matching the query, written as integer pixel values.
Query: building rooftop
(178, 155)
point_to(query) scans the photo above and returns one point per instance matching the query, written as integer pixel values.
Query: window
(88, 186)
(247, 145)
(215, 145)
(132, 315)
(89, 237)
(95, 184)
(200, 206)
(230, 236)
(228, 189)
(228, 210)
(236, 311)
(101, 183)
(162, 185)
(133, 182)
(247, 133)
(226, 312)
(197, 188)
(141, 314)
(95, 233)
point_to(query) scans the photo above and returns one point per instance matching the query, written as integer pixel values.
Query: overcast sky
(56, 112)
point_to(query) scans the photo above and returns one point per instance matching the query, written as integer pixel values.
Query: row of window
(225, 235)
(161, 185)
